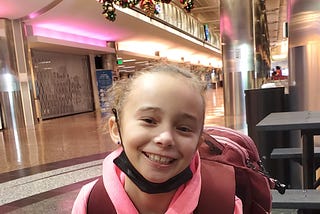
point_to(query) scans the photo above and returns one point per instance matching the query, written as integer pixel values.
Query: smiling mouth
(158, 158)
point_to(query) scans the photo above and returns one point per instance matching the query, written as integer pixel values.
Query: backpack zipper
(235, 145)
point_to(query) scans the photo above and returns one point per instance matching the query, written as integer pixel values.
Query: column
(23, 59)
(304, 66)
(109, 60)
(10, 91)
(236, 29)
(304, 54)
(94, 82)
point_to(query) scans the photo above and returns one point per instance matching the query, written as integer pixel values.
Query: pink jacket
(184, 201)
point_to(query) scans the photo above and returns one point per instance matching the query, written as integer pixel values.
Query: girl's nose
(164, 139)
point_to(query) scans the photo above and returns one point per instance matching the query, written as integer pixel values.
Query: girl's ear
(113, 130)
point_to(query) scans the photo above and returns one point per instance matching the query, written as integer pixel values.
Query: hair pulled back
(120, 90)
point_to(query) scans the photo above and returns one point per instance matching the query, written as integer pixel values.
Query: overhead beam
(210, 21)
(204, 9)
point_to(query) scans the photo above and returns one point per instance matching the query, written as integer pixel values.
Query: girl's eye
(184, 129)
(149, 120)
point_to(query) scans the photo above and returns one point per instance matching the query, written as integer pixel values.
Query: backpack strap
(217, 180)
(99, 200)
(217, 189)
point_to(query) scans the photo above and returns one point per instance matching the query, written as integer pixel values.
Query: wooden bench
(296, 199)
(294, 154)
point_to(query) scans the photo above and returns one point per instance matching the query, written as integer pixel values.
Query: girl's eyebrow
(148, 109)
(153, 109)
(189, 117)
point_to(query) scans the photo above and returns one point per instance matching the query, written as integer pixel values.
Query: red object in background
(277, 74)
(279, 77)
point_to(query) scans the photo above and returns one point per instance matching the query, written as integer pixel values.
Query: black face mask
(149, 187)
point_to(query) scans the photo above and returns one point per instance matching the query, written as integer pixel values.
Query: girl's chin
(156, 178)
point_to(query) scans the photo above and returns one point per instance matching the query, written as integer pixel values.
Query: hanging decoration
(150, 7)
(109, 11)
(188, 5)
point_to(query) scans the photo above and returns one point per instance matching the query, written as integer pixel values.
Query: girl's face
(161, 124)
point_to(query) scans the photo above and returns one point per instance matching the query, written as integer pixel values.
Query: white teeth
(159, 159)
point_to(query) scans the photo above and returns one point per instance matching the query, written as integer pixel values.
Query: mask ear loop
(115, 113)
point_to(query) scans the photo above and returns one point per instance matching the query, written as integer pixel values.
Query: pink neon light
(55, 34)
(74, 30)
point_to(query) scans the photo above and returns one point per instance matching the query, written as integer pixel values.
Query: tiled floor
(43, 168)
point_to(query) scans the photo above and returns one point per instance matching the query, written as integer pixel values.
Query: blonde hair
(120, 90)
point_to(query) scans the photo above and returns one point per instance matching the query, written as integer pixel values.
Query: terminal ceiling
(86, 15)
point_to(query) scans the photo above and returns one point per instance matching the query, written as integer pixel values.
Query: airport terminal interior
(59, 57)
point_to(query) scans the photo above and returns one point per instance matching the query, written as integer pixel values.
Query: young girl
(158, 120)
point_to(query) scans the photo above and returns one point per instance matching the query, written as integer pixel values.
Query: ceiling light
(129, 60)
(129, 66)
(142, 62)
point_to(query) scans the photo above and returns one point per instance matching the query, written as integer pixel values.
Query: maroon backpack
(236, 149)
(230, 166)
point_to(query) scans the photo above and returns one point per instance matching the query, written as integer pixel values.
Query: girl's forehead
(150, 81)
(156, 86)
(161, 76)
(169, 82)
